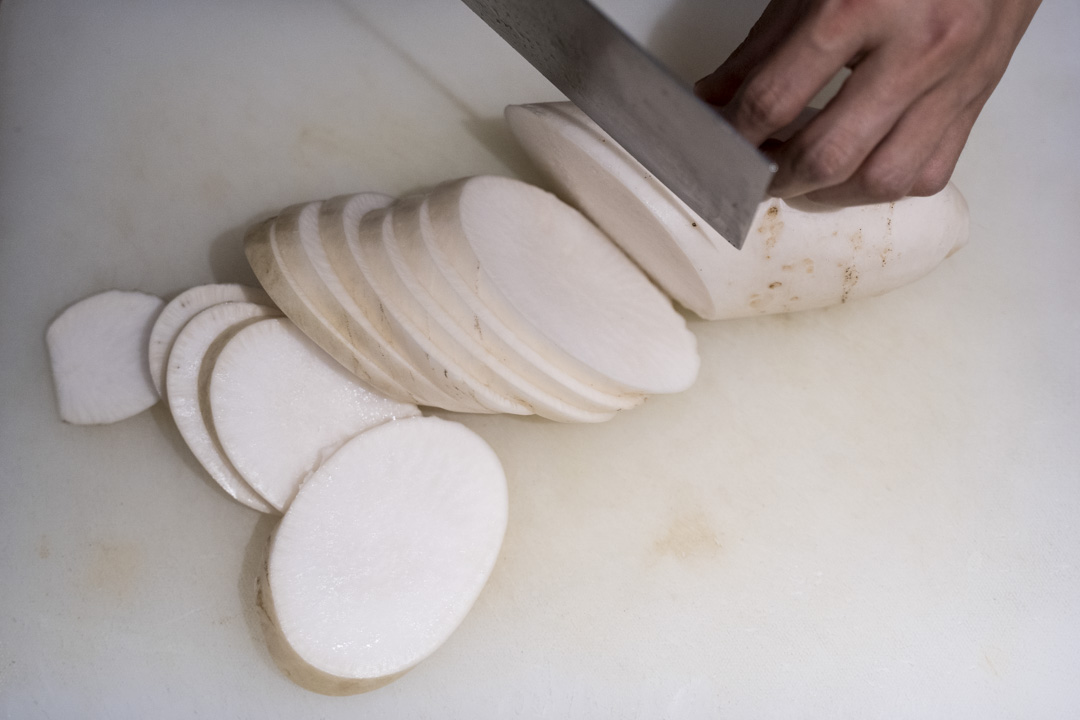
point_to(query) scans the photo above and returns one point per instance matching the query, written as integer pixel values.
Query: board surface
(866, 511)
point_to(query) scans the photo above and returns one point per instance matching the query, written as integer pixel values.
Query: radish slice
(798, 256)
(437, 325)
(186, 379)
(345, 238)
(291, 295)
(182, 308)
(306, 248)
(561, 284)
(97, 348)
(422, 261)
(281, 405)
(382, 554)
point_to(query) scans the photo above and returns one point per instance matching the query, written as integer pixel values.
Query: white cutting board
(868, 511)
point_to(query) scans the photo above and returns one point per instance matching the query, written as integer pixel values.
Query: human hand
(921, 72)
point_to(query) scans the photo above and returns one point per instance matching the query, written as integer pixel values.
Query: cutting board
(865, 511)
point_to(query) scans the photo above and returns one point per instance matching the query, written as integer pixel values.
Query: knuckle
(955, 27)
(764, 104)
(932, 180)
(828, 162)
(881, 182)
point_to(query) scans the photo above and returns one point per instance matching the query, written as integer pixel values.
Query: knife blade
(681, 140)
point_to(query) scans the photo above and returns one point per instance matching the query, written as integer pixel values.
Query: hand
(921, 72)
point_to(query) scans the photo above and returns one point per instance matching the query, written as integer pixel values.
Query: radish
(799, 255)
(382, 554)
(281, 405)
(292, 294)
(562, 285)
(325, 224)
(187, 376)
(97, 349)
(409, 247)
(435, 322)
(385, 302)
(182, 308)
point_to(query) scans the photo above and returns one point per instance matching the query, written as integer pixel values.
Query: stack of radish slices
(486, 295)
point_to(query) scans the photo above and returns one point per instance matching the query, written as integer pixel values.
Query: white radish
(281, 405)
(292, 294)
(182, 308)
(424, 262)
(309, 245)
(186, 382)
(384, 301)
(440, 328)
(799, 255)
(382, 554)
(97, 350)
(562, 285)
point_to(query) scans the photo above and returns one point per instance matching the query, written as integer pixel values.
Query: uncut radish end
(97, 349)
(382, 554)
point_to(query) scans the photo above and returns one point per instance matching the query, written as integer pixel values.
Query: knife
(681, 140)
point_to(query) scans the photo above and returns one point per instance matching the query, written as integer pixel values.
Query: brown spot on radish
(794, 298)
(771, 226)
(689, 535)
(693, 224)
(857, 240)
(885, 255)
(809, 265)
(851, 278)
(773, 286)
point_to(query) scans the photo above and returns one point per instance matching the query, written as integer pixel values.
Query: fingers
(777, 21)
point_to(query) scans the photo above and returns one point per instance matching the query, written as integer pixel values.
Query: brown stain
(113, 568)
(774, 285)
(689, 535)
(885, 255)
(771, 226)
(44, 550)
(857, 240)
(851, 279)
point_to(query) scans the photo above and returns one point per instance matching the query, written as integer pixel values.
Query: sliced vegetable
(382, 554)
(291, 293)
(97, 349)
(798, 256)
(407, 246)
(186, 379)
(562, 285)
(430, 318)
(182, 308)
(375, 291)
(281, 405)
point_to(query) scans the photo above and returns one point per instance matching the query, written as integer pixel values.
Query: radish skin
(382, 554)
(182, 308)
(97, 351)
(798, 255)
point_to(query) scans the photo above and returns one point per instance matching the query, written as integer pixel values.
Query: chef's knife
(657, 119)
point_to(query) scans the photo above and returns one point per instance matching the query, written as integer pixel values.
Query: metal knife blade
(682, 141)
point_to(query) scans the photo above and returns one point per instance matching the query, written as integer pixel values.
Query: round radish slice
(182, 308)
(382, 554)
(422, 261)
(799, 255)
(305, 249)
(433, 321)
(281, 405)
(563, 285)
(291, 294)
(97, 349)
(186, 379)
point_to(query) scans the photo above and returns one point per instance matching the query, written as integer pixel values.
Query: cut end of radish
(382, 554)
(97, 348)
